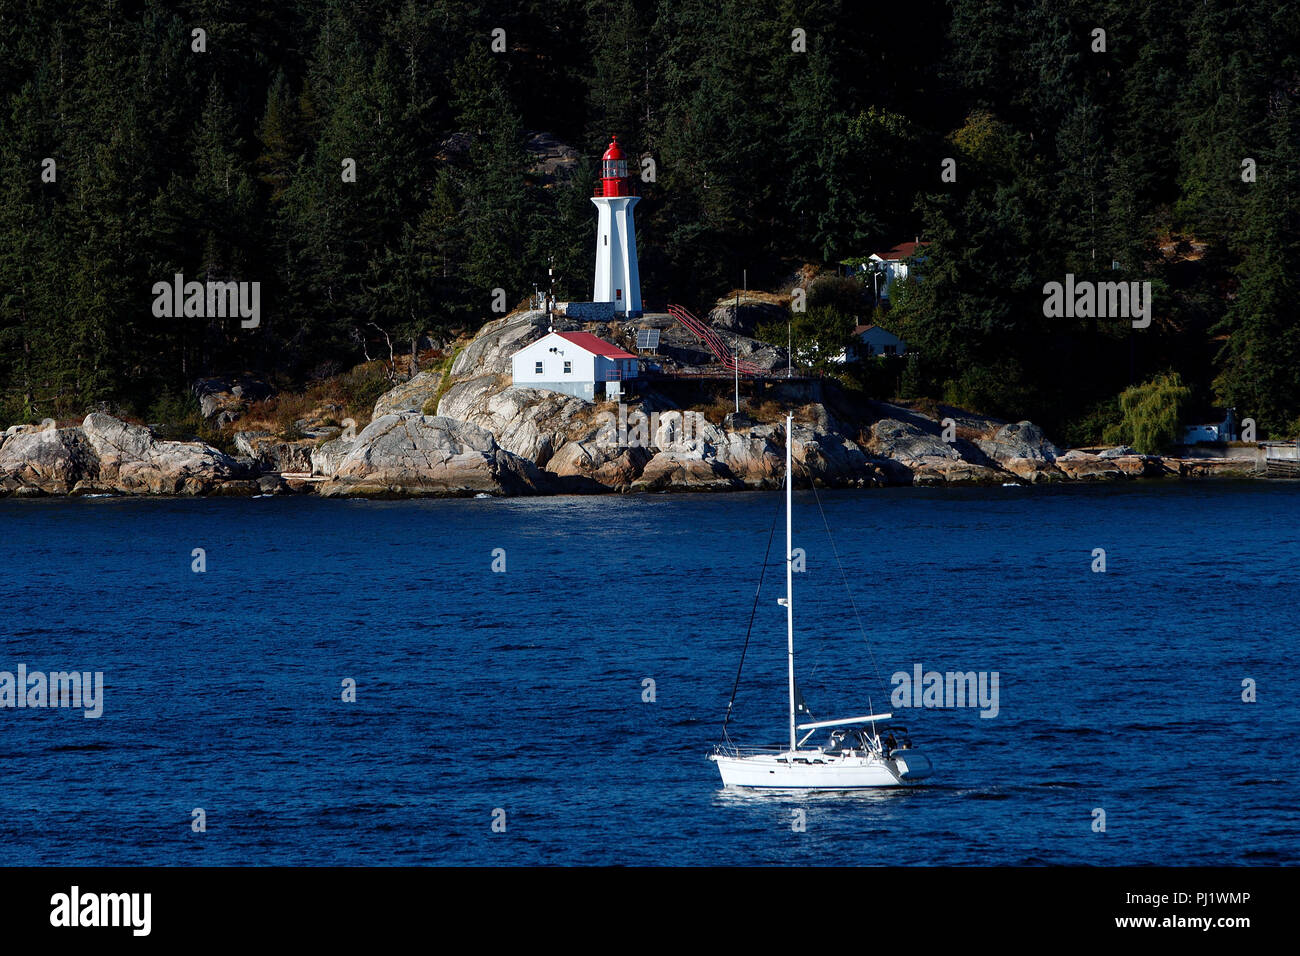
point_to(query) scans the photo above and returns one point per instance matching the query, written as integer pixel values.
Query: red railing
(709, 337)
(629, 189)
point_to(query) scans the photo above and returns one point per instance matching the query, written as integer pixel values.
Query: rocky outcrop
(131, 460)
(429, 455)
(907, 442)
(1023, 450)
(918, 454)
(770, 358)
(105, 454)
(528, 422)
(1022, 440)
(694, 469)
(755, 454)
(327, 456)
(1082, 466)
(594, 464)
(746, 319)
(409, 396)
(489, 353)
(223, 399)
(45, 461)
(270, 454)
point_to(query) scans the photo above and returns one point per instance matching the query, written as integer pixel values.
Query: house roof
(904, 250)
(594, 345)
(862, 329)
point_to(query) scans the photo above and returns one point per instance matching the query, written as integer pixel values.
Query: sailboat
(860, 752)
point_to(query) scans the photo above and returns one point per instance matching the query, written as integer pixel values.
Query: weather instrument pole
(789, 568)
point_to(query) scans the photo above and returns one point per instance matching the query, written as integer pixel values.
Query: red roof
(594, 345)
(904, 250)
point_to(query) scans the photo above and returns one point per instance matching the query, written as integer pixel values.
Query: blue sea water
(523, 691)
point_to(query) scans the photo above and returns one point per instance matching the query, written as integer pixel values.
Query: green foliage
(1093, 427)
(1261, 357)
(818, 335)
(1151, 414)
(361, 388)
(176, 416)
(836, 292)
(876, 377)
(996, 389)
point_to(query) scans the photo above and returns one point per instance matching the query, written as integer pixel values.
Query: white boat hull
(815, 770)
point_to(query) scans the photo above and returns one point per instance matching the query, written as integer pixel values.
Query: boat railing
(729, 750)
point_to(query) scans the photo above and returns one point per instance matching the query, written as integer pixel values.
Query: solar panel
(647, 339)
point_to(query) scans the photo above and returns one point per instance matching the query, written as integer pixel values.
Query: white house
(575, 363)
(872, 340)
(897, 263)
(1223, 431)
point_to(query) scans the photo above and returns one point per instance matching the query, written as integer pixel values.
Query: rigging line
(845, 579)
(771, 535)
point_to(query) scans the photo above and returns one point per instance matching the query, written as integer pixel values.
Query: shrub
(361, 387)
(178, 417)
(1094, 426)
(837, 292)
(1151, 414)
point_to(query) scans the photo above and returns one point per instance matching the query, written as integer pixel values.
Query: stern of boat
(912, 765)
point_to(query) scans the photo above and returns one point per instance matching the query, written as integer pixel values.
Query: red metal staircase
(709, 337)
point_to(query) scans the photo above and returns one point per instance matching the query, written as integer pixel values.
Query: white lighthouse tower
(617, 278)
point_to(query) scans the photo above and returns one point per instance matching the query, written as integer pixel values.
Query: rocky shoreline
(488, 437)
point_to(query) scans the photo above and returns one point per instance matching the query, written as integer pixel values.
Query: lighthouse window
(537, 368)
(607, 240)
(568, 368)
(618, 293)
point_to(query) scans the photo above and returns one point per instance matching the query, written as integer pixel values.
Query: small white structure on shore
(1224, 431)
(575, 363)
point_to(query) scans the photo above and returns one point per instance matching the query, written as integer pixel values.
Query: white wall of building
(892, 270)
(569, 368)
(618, 278)
(876, 341)
(568, 363)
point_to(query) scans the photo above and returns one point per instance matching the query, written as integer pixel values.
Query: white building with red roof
(575, 363)
(897, 262)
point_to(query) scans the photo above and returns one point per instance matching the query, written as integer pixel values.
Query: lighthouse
(617, 279)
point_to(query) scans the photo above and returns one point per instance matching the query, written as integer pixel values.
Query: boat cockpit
(847, 740)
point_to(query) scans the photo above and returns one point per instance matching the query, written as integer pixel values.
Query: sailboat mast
(789, 567)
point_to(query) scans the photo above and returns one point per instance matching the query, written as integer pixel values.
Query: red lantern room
(613, 174)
